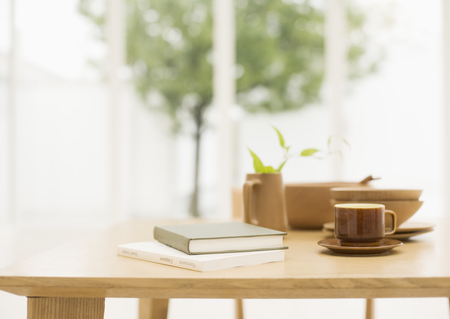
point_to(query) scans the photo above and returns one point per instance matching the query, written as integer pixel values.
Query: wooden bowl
(358, 194)
(404, 209)
(308, 204)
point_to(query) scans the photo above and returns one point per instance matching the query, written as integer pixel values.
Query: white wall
(154, 185)
(62, 155)
(61, 151)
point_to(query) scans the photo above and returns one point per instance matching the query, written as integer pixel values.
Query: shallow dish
(406, 236)
(384, 246)
(409, 227)
(400, 236)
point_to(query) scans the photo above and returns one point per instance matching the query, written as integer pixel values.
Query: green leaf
(309, 152)
(280, 137)
(257, 164)
(269, 169)
(343, 140)
(281, 166)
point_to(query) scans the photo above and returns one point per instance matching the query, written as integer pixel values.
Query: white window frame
(446, 98)
(224, 90)
(13, 213)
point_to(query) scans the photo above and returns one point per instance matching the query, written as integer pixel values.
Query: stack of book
(207, 247)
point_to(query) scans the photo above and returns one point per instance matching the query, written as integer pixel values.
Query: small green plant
(309, 152)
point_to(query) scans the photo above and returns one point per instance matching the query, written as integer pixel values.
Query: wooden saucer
(385, 245)
(399, 236)
(406, 227)
(405, 236)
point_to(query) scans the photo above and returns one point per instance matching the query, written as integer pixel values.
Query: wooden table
(71, 281)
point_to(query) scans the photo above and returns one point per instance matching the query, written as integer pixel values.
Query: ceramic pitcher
(264, 201)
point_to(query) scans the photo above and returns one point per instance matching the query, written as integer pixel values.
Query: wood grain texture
(370, 309)
(91, 268)
(153, 308)
(308, 204)
(238, 203)
(364, 194)
(67, 308)
(239, 309)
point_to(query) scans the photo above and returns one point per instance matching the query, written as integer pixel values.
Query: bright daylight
(226, 159)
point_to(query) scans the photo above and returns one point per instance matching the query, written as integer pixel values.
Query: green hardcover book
(195, 239)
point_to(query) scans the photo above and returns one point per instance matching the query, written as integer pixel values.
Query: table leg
(67, 308)
(153, 308)
(370, 309)
(239, 309)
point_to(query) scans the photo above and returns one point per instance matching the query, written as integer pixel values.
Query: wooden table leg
(153, 308)
(239, 309)
(67, 308)
(370, 309)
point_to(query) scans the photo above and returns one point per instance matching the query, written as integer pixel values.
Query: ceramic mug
(362, 224)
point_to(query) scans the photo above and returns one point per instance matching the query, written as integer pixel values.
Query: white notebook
(159, 253)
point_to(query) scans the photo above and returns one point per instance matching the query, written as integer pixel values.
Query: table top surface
(91, 268)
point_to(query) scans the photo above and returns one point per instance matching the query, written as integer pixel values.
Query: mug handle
(248, 192)
(394, 221)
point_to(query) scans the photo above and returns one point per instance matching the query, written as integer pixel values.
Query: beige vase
(264, 201)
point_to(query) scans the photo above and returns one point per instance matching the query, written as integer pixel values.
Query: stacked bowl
(404, 202)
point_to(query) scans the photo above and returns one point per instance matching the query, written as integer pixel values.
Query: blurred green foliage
(279, 52)
(279, 55)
